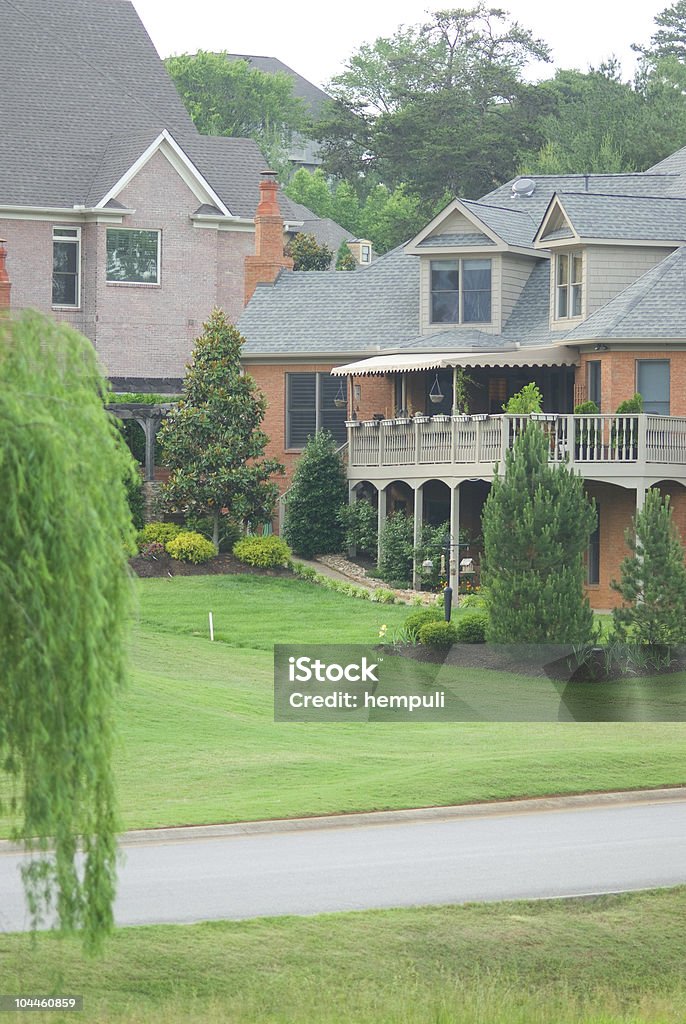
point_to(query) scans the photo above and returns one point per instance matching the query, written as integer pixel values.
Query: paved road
(504, 856)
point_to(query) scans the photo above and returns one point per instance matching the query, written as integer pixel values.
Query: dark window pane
(64, 257)
(444, 275)
(132, 256)
(64, 289)
(301, 412)
(331, 418)
(476, 275)
(593, 557)
(652, 381)
(444, 307)
(594, 381)
(476, 307)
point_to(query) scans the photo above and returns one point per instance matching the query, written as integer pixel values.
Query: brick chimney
(264, 266)
(5, 285)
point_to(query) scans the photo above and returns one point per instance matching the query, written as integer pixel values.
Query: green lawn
(609, 960)
(198, 743)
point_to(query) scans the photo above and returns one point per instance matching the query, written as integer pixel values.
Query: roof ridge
(492, 206)
(620, 195)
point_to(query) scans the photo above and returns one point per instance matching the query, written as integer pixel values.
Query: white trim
(65, 215)
(73, 240)
(139, 284)
(456, 206)
(181, 163)
(542, 355)
(554, 205)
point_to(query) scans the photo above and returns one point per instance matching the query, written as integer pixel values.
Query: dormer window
(460, 291)
(568, 269)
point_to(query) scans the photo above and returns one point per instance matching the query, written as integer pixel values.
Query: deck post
(453, 569)
(380, 521)
(418, 523)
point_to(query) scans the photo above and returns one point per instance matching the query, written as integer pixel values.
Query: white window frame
(73, 239)
(460, 260)
(138, 284)
(569, 288)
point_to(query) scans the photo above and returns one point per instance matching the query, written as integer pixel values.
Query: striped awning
(550, 355)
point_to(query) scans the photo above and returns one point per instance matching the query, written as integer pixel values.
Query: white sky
(315, 39)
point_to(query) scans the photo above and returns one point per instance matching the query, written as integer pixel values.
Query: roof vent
(523, 187)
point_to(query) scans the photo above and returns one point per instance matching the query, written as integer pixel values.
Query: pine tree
(65, 533)
(212, 440)
(653, 578)
(537, 522)
(319, 488)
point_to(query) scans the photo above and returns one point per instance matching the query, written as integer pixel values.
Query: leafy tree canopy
(319, 488)
(229, 97)
(308, 254)
(64, 532)
(212, 440)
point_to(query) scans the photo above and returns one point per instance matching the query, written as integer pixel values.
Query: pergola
(149, 417)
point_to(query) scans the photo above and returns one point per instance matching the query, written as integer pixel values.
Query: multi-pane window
(460, 291)
(652, 381)
(66, 265)
(311, 405)
(568, 271)
(133, 256)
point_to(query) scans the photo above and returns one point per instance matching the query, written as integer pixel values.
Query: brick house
(119, 217)
(575, 282)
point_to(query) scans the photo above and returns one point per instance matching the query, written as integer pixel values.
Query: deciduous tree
(64, 531)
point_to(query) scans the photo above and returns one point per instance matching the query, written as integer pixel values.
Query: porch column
(454, 568)
(640, 496)
(418, 523)
(381, 520)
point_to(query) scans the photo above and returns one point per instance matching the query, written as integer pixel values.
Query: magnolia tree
(212, 440)
(65, 535)
(537, 522)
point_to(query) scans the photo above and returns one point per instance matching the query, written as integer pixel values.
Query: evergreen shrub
(158, 533)
(437, 634)
(191, 547)
(416, 620)
(471, 628)
(265, 552)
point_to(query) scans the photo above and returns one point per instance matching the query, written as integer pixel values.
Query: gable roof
(651, 307)
(667, 183)
(71, 84)
(492, 225)
(85, 95)
(639, 218)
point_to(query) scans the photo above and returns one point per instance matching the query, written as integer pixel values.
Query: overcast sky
(315, 39)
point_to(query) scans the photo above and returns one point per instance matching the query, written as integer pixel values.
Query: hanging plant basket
(435, 394)
(340, 403)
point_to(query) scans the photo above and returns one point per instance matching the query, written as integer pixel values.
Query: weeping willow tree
(64, 593)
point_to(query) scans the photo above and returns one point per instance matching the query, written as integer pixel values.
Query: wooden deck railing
(425, 441)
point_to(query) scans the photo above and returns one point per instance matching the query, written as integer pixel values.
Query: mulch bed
(220, 565)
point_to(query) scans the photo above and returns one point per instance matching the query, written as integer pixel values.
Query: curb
(363, 819)
(366, 819)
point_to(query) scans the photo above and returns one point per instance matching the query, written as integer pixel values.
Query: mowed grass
(198, 742)
(609, 960)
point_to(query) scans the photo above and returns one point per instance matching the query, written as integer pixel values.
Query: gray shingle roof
(657, 184)
(72, 81)
(85, 94)
(654, 306)
(337, 312)
(454, 240)
(513, 224)
(626, 217)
